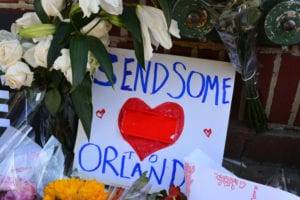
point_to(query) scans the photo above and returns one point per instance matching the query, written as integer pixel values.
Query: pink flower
(24, 190)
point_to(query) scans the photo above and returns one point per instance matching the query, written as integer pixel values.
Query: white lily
(174, 30)
(97, 28)
(53, 7)
(89, 6)
(154, 29)
(28, 19)
(114, 7)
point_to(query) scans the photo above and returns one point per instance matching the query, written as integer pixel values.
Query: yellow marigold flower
(75, 189)
(92, 190)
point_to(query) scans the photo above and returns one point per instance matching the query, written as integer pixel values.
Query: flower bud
(37, 31)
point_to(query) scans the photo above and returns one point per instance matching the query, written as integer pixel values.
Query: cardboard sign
(153, 118)
(208, 180)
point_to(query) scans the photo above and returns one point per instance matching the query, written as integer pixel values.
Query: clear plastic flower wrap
(27, 107)
(26, 167)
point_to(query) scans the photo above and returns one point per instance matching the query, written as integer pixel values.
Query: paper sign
(206, 180)
(153, 118)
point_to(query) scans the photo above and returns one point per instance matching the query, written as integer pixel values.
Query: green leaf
(167, 11)
(82, 102)
(99, 51)
(38, 8)
(79, 58)
(60, 40)
(132, 22)
(133, 25)
(139, 52)
(53, 101)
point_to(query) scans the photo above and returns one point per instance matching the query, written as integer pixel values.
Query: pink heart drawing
(207, 132)
(100, 113)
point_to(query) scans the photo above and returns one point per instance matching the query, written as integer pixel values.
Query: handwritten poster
(207, 180)
(153, 118)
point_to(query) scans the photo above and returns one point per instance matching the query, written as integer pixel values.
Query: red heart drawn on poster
(207, 132)
(148, 130)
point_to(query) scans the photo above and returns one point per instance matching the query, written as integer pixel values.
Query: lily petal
(174, 30)
(114, 7)
(89, 6)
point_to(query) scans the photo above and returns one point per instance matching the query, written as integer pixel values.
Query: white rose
(155, 29)
(10, 53)
(53, 7)
(37, 56)
(63, 62)
(18, 75)
(114, 7)
(97, 28)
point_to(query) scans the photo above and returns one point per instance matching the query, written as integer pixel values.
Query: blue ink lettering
(156, 88)
(175, 163)
(108, 161)
(209, 84)
(125, 74)
(140, 73)
(189, 86)
(152, 171)
(225, 86)
(80, 157)
(136, 169)
(181, 78)
(151, 160)
(114, 59)
(122, 168)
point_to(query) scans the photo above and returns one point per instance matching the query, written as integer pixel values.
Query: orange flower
(75, 189)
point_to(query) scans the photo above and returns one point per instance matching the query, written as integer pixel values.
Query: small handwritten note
(211, 181)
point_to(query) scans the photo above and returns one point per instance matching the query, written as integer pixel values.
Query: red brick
(286, 89)
(265, 75)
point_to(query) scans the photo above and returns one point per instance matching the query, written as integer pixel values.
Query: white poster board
(153, 118)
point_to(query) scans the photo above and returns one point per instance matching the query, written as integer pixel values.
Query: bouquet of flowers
(58, 48)
(236, 23)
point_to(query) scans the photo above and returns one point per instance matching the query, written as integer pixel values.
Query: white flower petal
(53, 7)
(148, 50)
(63, 62)
(68, 75)
(41, 52)
(154, 29)
(97, 28)
(174, 30)
(29, 57)
(18, 75)
(89, 6)
(10, 52)
(114, 7)
(28, 19)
